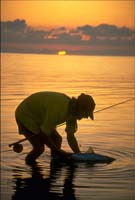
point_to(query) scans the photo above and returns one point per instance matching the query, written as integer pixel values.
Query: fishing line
(122, 102)
(5, 151)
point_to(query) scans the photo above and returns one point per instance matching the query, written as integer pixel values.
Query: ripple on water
(86, 180)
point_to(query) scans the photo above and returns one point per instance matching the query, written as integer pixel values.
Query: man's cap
(87, 102)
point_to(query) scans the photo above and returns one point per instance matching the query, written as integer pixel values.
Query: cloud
(107, 33)
(88, 39)
(18, 31)
(13, 26)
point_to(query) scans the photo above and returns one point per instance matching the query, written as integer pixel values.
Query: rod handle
(12, 144)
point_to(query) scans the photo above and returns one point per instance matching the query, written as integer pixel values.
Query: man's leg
(38, 148)
(57, 140)
(36, 142)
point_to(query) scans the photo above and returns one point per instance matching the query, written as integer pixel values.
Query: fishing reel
(18, 148)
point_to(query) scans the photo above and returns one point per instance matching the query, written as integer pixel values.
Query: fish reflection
(37, 187)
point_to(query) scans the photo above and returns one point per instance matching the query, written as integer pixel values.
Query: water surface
(109, 80)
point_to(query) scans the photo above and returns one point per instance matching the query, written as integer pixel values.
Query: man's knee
(39, 148)
(57, 139)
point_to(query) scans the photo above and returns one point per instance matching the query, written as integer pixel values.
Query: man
(39, 115)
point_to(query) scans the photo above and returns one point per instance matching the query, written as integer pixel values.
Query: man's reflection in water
(40, 188)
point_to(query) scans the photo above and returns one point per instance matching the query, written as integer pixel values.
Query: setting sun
(62, 53)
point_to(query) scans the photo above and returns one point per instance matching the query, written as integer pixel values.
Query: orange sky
(70, 13)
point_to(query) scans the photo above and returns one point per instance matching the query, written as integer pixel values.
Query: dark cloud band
(101, 39)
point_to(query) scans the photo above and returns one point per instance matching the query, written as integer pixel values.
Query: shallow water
(109, 80)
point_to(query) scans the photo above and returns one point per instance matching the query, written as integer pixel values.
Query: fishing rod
(107, 107)
(114, 105)
(17, 147)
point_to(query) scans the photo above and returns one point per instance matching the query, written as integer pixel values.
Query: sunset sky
(85, 26)
(70, 13)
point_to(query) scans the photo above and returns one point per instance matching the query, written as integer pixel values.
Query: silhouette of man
(39, 115)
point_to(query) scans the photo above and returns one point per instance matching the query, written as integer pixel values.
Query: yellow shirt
(43, 111)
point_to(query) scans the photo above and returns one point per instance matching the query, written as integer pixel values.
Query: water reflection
(38, 187)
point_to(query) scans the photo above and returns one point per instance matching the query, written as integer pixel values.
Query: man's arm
(73, 143)
(71, 128)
